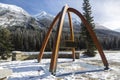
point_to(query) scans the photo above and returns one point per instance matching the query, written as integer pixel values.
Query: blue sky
(51, 6)
(105, 12)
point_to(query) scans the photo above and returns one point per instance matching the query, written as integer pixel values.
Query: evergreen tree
(84, 32)
(5, 43)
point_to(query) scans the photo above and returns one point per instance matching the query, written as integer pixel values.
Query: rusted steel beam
(93, 35)
(71, 34)
(47, 37)
(54, 57)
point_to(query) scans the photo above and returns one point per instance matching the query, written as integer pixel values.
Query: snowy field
(85, 68)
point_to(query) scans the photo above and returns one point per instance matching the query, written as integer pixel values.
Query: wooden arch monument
(60, 18)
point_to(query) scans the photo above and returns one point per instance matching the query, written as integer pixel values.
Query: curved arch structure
(60, 18)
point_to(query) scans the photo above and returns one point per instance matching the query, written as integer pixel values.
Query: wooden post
(54, 57)
(71, 34)
(47, 37)
(92, 34)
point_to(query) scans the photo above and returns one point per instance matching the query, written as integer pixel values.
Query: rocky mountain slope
(14, 16)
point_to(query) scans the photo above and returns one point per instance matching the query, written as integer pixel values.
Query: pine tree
(84, 32)
(5, 43)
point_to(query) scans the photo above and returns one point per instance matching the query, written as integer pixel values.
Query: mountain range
(13, 17)
(118, 30)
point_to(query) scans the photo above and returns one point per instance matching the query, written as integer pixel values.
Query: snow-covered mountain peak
(12, 8)
(43, 14)
(11, 15)
(99, 26)
(118, 30)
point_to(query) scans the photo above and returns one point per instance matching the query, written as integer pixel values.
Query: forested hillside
(31, 40)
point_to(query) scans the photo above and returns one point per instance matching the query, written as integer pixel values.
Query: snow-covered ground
(85, 68)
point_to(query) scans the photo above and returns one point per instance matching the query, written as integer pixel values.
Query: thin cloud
(107, 13)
